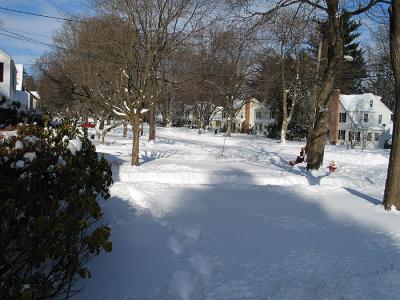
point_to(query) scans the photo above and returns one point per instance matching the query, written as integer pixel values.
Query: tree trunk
(229, 125)
(285, 116)
(135, 122)
(141, 130)
(125, 132)
(311, 121)
(152, 122)
(316, 147)
(313, 104)
(99, 131)
(392, 188)
(102, 136)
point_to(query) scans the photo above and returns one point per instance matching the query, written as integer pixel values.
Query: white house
(216, 117)
(11, 84)
(8, 76)
(263, 118)
(253, 116)
(362, 119)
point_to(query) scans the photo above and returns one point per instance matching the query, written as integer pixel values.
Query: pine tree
(351, 74)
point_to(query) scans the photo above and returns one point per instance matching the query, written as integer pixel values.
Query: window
(342, 118)
(224, 115)
(351, 135)
(369, 136)
(258, 115)
(358, 136)
(241, 115)
(380, 119)
(1, 72)
(371, 103)
(376, 137)
(342, 135)
(365, 118)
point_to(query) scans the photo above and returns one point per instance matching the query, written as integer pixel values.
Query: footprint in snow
(175, 246)
(201, 264)
(191, 232)
(185, 286)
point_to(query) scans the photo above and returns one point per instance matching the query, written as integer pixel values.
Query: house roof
(4, 52)
(361, 102)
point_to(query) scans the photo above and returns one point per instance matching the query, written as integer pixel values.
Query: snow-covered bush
(50, 218)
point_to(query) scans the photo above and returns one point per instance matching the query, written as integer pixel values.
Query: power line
(27, 32)
(39, 15)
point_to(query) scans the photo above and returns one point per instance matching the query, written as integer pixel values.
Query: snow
(360, 102)
(20, 164)
(30, 156)
(190, 223)
(19, 145)
(31, 139)
(8, 133)
(61, 161)
(74, 145)
(348, 58)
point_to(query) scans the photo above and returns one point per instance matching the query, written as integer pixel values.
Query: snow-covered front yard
(190, 223)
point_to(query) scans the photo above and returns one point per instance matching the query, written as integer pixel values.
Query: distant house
(8, 76)
(264, 117)
(253, 116)
(359, 120)
(216, 117)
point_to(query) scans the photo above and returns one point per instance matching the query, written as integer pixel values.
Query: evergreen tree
(351, 74)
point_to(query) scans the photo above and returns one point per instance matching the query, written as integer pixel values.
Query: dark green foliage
(351, 74)
(268, 88)
(11, 116)
(50, 216)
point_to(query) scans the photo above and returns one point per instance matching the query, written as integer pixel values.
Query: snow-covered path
(191, 224)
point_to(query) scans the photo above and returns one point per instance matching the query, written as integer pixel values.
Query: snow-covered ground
(190, 223)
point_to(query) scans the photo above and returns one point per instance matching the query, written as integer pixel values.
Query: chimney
(334, 116)
(246, 123)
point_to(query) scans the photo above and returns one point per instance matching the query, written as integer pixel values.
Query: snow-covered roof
(35, 94)
(238, 103)
(361, 102)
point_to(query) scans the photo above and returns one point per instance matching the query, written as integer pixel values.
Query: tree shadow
(370, 199)
(299, 169)
(148, 156)
(227, 241)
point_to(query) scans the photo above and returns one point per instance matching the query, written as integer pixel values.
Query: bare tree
(334, 11)
(230, 68)
(289, 31)
(159, 26)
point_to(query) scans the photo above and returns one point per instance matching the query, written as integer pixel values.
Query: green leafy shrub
(50, 218)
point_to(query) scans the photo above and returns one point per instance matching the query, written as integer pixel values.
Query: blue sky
(34, 27)
(42, 29)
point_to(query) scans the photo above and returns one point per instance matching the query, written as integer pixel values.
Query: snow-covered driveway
(190, 223)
